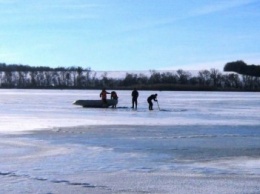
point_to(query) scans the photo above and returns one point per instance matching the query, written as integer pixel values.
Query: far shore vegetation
(237, 76)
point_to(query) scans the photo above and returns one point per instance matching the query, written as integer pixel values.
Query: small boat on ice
(96, 103)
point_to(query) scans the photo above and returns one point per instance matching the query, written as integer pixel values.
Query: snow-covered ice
(193, 142)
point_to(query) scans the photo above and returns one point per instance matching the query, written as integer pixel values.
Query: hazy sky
(130, 34)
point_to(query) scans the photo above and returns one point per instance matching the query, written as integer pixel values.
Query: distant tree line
(24, 76)
(242, 68)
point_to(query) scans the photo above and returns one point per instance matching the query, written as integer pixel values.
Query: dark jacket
(152, 97)
(135, 94)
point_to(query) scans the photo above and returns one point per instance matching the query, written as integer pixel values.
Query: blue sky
(121, 35)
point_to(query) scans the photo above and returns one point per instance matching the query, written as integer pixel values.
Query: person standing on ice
(114, 97)
(103, 95)
(149, 100)
(135, 95)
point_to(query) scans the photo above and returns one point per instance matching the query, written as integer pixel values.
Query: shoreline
(139, 89)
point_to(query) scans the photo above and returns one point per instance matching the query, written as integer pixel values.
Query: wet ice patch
(238, 165)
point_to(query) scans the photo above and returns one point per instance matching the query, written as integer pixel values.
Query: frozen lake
(193, 142)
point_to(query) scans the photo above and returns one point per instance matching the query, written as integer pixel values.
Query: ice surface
(36, 109)
(198, 142)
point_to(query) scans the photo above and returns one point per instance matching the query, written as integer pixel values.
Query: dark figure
(149, 100)
(114, 97)
(135, 95)
(103, 96)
